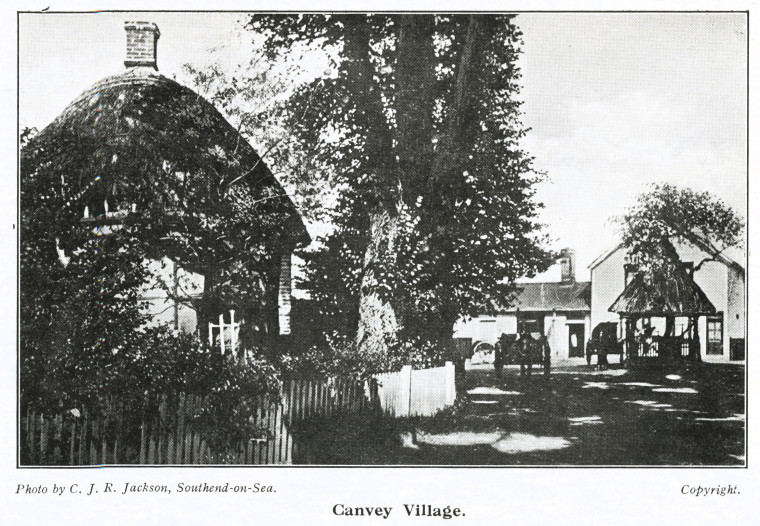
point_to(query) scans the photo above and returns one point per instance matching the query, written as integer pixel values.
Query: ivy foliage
(140, 168)
(187, 184)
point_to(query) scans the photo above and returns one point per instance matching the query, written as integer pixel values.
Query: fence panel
(431, 390)
(420, 392)
(167, 435)
(391, 388)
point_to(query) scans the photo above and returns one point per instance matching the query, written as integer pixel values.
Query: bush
(228, 412)
(230, 388)
(141, 382)
(339, 356)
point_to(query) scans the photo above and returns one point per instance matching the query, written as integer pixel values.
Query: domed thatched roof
(129, 135)
(672, 294)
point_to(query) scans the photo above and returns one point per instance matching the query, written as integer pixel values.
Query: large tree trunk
(418, 171)
(381, 315)
(446, 182)
(415, 102)
(378, 321)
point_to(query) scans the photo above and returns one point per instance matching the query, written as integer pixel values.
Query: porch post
(631, 347)
(695, 347)
(623, 337)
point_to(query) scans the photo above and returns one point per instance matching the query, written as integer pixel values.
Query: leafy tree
(664, 217)
(252, 96)
(418, 119)
(667, 214)
(78, 322)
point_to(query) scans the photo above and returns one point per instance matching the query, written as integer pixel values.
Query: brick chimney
(567, 262)
(142, 39)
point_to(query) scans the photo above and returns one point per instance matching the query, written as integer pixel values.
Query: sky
(614, 101)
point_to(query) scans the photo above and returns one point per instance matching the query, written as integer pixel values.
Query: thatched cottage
(138, 146)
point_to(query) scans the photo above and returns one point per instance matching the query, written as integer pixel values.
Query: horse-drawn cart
(604, 341)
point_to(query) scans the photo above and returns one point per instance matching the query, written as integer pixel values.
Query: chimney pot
(142, 40)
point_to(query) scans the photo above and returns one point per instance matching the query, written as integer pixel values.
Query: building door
(715, 335)
(576, 340)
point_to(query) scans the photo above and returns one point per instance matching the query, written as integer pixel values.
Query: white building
(559, 309)
(721, 335)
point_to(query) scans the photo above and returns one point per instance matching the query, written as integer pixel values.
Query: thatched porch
(671, 296)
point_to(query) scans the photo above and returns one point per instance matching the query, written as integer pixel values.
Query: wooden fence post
(73, 441)
(233, 339)
(221, 331)
(57, 450)
(144, 441)
(83, 438)
(30, 434)
(43, 438)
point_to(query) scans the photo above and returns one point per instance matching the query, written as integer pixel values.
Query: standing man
(547, 354)
(525, 348)
(499, 354)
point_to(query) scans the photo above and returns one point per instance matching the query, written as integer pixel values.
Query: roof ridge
(125, 78)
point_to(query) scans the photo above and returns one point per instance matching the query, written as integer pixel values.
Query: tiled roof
(570, 296)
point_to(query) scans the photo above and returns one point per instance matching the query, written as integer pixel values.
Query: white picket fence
(412, 392)
(168, 436)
